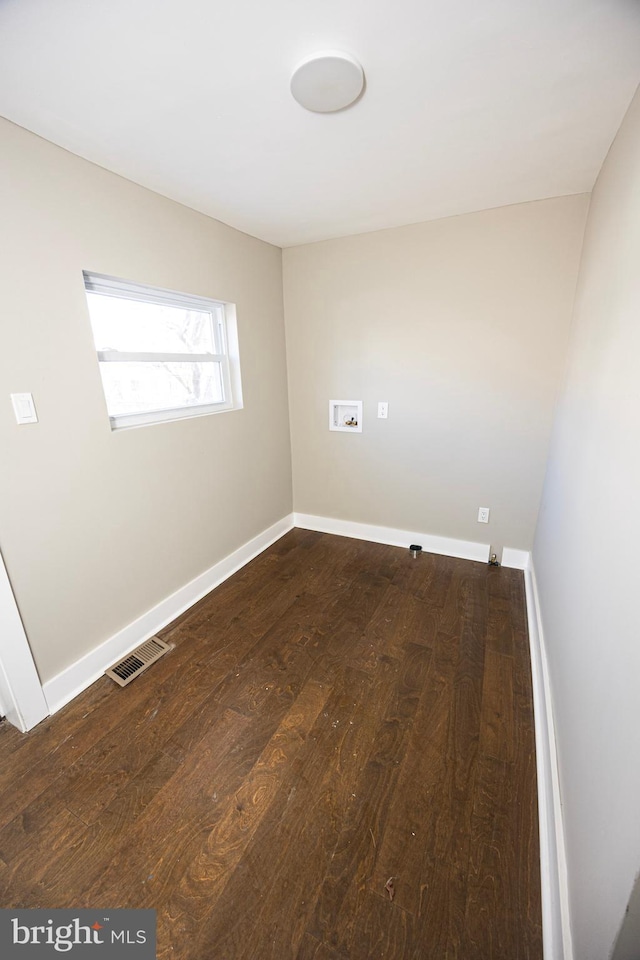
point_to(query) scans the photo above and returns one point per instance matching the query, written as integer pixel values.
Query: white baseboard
(74, 679)
(556, 928)
(516, 559)
(447, 546)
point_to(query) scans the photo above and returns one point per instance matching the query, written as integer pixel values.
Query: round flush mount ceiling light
(327, 82)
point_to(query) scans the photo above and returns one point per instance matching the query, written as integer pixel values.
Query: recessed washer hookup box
(79, 934)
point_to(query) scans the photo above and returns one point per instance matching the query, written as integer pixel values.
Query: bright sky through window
(162, 356)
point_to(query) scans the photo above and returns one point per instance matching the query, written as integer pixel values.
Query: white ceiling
(469, 104)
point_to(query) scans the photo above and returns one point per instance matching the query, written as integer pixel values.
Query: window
(162, 355)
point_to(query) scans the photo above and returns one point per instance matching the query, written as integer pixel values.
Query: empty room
(320, 367)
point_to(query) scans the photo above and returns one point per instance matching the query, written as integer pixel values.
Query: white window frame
(226, 338)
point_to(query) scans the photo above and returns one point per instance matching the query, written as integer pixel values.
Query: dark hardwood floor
(335, 715)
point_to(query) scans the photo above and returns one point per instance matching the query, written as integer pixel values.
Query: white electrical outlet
(383, 410)
(483, 514)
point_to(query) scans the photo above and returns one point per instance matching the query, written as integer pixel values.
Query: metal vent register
(138, 660)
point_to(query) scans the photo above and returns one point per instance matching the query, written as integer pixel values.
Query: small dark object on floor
(389, 887)
(493, 560)
(416, 549)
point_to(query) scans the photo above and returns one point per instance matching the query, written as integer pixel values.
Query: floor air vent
(137, 661)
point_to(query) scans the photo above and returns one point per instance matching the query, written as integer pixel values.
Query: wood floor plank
(82, 851)
(334, 715)
(126, 866)
(279, 664)
(394, 622)
(304, 821)
(204, 882)
(498, 737)
(464, 727)
(354, 859)
(425, 775)
(118, 757)
(48, 736)
(381, 929)
(501, 625)
(35, 826)
(86, 725)
(58, 742)
(461, 575)
(441, 928)
(230, 632)
(263, 591)
(312, 949)
(10, 737)
(501, 920)
(427, 577)
(54, 830)
(414, 666)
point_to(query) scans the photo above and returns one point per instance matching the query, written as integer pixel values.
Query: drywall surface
(586, 560)
(461, 325)
(98, 526)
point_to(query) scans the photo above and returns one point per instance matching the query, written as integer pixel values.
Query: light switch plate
(24, 408)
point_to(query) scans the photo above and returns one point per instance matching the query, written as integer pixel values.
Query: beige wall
(586, 559)
(96, 527)
(461, 325)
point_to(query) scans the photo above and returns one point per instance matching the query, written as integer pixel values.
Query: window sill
(126, 421)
